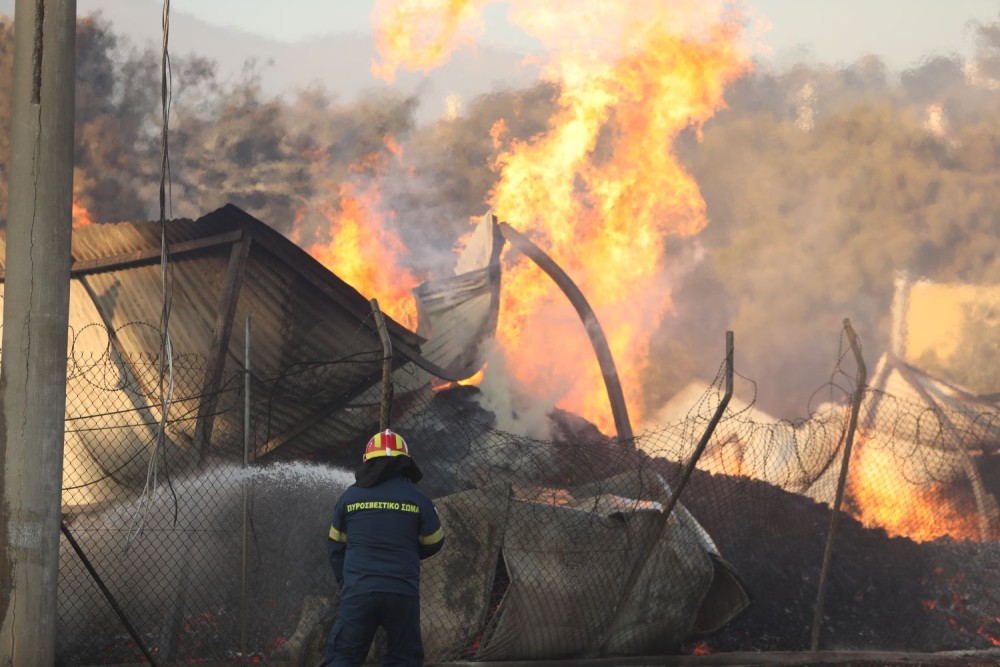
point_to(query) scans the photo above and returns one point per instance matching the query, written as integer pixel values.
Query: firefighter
(382, 527)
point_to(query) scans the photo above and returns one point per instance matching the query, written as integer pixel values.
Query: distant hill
(340, 62)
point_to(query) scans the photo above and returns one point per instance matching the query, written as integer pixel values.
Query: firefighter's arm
(431, 532)
(336, 544)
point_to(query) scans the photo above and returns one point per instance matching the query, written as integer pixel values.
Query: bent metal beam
(608, 369)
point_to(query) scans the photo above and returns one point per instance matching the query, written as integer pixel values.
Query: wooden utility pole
(385, 406)
(36, 318)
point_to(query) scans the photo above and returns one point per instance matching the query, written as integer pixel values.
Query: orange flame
(81, 216)
(365, 253)
(351, 234)
(421, 34)
(601, 190)
(473, 380)
(884, 498)
(701, 648)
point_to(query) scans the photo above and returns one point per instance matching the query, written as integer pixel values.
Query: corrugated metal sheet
(315, 350)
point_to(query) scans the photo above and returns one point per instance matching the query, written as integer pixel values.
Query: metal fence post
(841, 481)
(675, 495)
(385, 410)
(246, 493)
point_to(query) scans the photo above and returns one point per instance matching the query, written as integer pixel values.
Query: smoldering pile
(883, 593)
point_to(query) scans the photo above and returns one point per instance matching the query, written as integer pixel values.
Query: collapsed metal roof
(222, 269)
(312, 328)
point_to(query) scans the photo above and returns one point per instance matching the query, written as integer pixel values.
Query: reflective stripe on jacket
(378, 536)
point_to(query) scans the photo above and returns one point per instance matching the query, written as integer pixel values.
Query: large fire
(882, 497)
(421, 35)
(355, 240)
(601, 190)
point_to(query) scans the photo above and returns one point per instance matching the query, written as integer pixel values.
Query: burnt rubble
(884, 593)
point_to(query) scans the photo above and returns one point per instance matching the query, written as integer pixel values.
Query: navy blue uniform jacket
(380, 534)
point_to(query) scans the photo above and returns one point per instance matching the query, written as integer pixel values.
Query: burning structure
(921, 485)
(154, 437)
(523, 578)
(927, 440)
(590, 187)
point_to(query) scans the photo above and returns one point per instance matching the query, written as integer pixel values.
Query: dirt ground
(951, 659)
(987, 658)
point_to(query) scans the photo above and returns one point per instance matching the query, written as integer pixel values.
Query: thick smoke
(820, 184)
(445, 177)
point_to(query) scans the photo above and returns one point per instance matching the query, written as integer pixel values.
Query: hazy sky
(274, 34)
(836, 31)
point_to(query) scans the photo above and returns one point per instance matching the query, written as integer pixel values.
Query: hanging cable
(166, 367)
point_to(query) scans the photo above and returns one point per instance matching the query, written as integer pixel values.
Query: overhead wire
(165, 358)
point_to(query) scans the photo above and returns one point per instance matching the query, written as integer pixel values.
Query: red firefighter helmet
(386, 443)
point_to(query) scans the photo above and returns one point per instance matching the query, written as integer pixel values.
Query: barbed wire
(540, 526)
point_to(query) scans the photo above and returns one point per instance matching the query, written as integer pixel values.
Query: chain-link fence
(555, 548)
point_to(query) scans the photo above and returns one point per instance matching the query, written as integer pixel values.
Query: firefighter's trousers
(358, 618)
